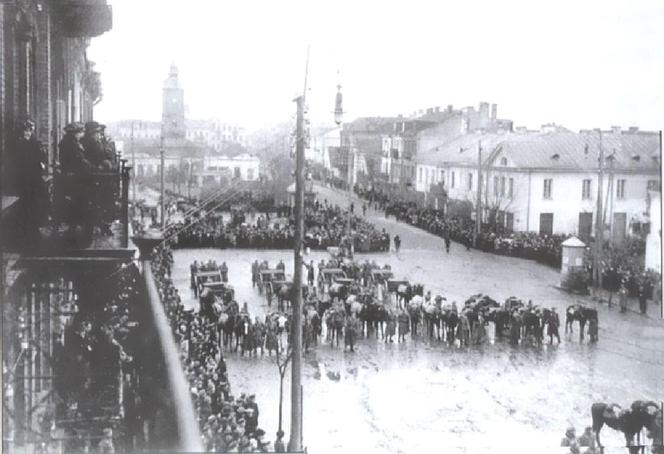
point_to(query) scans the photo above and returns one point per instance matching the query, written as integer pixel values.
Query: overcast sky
(582, 64)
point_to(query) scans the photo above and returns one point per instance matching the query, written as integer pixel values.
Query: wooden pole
(295, 442)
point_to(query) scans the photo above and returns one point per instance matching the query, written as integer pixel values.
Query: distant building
(198, 170)
(321, 138)
(547, 181)
(172, 111)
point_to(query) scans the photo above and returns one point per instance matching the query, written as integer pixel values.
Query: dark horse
(582, 314)
(629, 421)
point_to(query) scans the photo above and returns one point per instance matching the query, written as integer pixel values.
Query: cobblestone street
(487, 399)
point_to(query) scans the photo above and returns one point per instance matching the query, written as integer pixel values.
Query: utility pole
(163, 198)
(350, 184)
(295, 443)
(599, 227)
(133, 162)
(478, 214)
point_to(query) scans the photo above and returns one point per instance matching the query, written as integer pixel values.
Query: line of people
(326, 226)
(227, 423)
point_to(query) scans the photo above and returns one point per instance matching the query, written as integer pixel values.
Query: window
(620, 189)
(250, 174)
(452, 179)
(442, 177)
(511, 188)
(585, 190)
(502, 186)
(470, 181)
(503, 161)
(548, 184)
(420, 175)
(495, 186)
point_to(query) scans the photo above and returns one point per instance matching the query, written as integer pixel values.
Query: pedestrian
(397, 243)
(310, 273)
(364, 209)
(622, 297)
(643, 295)
(447, 242)
(224, 271)
(553, 323)
(569, 441)
(593, 329)
(279, 445)
(587, 440)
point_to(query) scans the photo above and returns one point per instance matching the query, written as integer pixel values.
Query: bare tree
(282, 365)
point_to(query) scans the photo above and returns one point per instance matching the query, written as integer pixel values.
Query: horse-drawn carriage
(203, 277)
(267, 276)
(213, 292)
(329, 275)
(284, 290)
(380, 277)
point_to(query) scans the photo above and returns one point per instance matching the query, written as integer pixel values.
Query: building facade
(547, 181)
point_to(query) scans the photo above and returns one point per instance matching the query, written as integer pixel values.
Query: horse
(628, 421)
(582, 314)
(450, 320)
(334, 320)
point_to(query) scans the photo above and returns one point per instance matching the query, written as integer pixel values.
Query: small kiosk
(572, 263)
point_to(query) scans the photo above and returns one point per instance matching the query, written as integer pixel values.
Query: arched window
(503, 161)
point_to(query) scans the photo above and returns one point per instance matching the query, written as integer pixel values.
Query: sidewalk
(653, 309)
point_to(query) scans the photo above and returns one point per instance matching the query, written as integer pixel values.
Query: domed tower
(172, 112)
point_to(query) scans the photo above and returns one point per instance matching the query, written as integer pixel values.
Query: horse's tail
(597, 413)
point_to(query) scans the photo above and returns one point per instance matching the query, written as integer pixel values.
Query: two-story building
(547, 181)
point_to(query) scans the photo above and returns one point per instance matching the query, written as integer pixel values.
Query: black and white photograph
(378, 227)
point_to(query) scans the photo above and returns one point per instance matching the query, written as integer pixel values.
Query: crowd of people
(326, 226)
(82, 198)
(227, 423)
(622, 263)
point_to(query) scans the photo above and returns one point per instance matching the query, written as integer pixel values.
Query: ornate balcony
(85, 18)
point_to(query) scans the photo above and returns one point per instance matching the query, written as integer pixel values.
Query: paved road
(417, 396)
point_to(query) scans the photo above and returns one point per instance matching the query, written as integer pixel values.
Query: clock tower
(172, 113)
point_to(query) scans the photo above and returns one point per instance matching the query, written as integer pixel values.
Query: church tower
(172, 113)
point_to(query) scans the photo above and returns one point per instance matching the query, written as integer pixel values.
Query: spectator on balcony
(94, 147)
(28, 183)
(72, 153)
(76, 184)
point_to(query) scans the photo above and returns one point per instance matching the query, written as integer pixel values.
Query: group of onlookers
(227, 423)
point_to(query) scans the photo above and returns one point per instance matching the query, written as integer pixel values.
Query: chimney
(494, 112)
(616, 129)
(449, 108)
(484, 114)
(429, 110)
(633, 129)
(437, 109)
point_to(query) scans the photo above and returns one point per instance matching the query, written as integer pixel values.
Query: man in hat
(29, 163)
(91, 141)
(76, 170)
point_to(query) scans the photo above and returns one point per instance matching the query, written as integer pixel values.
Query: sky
(580, 64)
